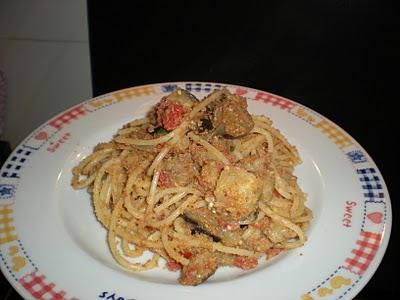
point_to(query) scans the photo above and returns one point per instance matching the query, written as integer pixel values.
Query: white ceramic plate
(52, 247)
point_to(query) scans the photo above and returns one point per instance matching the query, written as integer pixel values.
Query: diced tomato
(261, 224)
(161, 145)
(169, 114)
(164, 180)
(276, 194)
(220, 166)
(245, 263)
(187, 254)
(173, 266)
(271, 252)
(231, 158)
(226, 150)
(173, 116)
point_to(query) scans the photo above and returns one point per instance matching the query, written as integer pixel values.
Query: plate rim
(386, 232)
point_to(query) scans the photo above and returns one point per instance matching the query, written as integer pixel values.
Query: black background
(337, 57)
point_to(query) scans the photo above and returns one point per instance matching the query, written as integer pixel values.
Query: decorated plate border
(25, 275)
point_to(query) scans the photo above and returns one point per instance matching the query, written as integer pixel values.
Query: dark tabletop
(336, 57)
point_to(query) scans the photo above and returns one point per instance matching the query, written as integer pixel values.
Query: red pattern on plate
(37, 286)
(275, 101)
(375, 217)
(66, 118)
(41, 136)
(367, 246)
(240, 91)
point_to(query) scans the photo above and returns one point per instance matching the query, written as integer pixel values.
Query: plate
(52, 247)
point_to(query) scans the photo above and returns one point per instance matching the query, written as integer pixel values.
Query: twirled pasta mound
(202, 184)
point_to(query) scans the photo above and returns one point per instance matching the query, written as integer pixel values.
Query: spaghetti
(202, 184)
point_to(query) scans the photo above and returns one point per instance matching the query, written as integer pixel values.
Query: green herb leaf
(160, 131)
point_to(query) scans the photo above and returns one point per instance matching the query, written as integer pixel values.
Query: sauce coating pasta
(202, 184)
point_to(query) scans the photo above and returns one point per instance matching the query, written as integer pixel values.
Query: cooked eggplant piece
(201, 266)
(196, 228)
(230, 117)
(183, 97)
(208, 223)
(205, 125)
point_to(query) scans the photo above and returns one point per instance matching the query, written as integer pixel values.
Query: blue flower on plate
(356, 156)
(6, 191)
(168, 88)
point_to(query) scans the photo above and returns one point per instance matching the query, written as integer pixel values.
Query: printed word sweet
(55, 145)
(348, 213)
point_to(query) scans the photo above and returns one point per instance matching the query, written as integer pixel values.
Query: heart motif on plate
(375, 217)
(41, 136)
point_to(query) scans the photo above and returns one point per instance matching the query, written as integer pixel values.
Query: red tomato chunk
(173, 266)
(246, 263)
(163, 180)
(170, 114)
